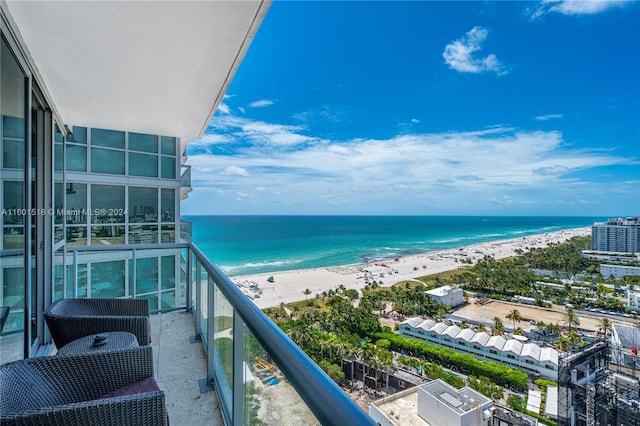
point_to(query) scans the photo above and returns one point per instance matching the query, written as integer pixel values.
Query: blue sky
(429, 108)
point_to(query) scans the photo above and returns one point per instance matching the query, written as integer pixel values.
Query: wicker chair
(104, 388)
(71, 319)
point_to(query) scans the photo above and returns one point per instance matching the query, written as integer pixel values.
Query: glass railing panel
(269, 398)
(223, 345)
(185, 176)
(145, 273)
(202, 307)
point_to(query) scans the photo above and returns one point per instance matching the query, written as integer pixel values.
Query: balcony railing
(260, 375)
(185, 176)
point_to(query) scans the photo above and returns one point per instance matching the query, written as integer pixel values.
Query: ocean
(246, 245)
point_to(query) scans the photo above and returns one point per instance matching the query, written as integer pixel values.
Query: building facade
(528, 357)
(447, 295)
(616, 235)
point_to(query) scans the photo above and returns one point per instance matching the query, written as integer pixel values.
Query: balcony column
(198, 300)
(189, 273)
(211, 294)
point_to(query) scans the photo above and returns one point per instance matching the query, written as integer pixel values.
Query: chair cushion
(145, 385)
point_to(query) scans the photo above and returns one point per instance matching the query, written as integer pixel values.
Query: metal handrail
(322, 395)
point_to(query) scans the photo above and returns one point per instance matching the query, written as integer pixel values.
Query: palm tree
(306, 293)
(514, 316)
(519, 331)
(605, 327)
(498, 327)
(571, 318)
(563, 343)
(481, 327)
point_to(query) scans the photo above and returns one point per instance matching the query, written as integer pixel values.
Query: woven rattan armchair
(104, 388)
(71, 319)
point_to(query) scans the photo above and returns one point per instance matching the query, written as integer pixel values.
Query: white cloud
(235, 171)
(459, 54)
(223, 109)
(242, 110)
(261, 103)
(548, 117)
(415, 120)
(577, 7)
(279, 174)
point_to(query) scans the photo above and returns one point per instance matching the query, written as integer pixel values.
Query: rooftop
(460, 400)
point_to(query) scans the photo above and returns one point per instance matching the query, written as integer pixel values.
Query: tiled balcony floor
(178, 366)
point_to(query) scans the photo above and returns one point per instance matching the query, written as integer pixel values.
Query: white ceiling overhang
(158, 67)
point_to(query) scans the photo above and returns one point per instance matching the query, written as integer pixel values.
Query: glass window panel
(153, 300)
(81, 282)
(168, 145)
(168, 299)
(79, 135)
(58, 233)
(168, 233)
(143, 142)
(168, 277)
(13, 296)
(107, 279)
(168, 168)
(58, 203)
(13, 202)
(13, 154)
(13, 126)
(58, 137)
(107, 161)
(58, 281)
(108, 202)
(146, 275)
(58, 155)
(168, 204)
(76, 194)
(76, 158)
(13, 237)
(143, 204)
(108, 138)
(143, 165)
(107, 234)
(143, 234)
(76, 235)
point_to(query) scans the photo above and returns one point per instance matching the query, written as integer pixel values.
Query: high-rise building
(616, 235)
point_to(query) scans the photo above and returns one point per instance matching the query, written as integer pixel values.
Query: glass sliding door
(14, 202)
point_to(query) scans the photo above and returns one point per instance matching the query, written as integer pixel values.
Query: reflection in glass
(168, 145)
(58, 157)
(81, 282)
(143, 142)
(168, 299)
(108, 138)
(143, 204)
(168, 277)
(168, 204)
(79, 135)
(107, 234)
(146, 275)
(107, 161)
(12, 153)
(108, 202)
(76, 235)
(143, 165)
(13, 294)
(143, 234)
(168, 168)
(13, 237)
(13, 202)
(76, 211)
(168, 233)
(76, 158)
(58, 202)
(107, 279)
(153, 300)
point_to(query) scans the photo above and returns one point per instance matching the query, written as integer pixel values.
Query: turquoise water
(244, 245)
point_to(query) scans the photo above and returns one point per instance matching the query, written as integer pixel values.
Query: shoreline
(289, 286)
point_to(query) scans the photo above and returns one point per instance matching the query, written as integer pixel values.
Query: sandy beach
(289, 286)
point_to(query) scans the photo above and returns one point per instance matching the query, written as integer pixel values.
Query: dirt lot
(487, 312)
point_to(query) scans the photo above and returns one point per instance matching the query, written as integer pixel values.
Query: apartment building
(515, 353)
(616, 235)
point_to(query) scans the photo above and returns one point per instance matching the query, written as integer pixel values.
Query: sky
(429, 108)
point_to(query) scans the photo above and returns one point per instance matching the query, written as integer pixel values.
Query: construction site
(592, 391)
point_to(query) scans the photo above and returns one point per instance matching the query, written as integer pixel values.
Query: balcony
(218, 358)
(185, 181)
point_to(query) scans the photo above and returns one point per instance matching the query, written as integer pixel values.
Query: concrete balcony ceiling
(157, 67)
